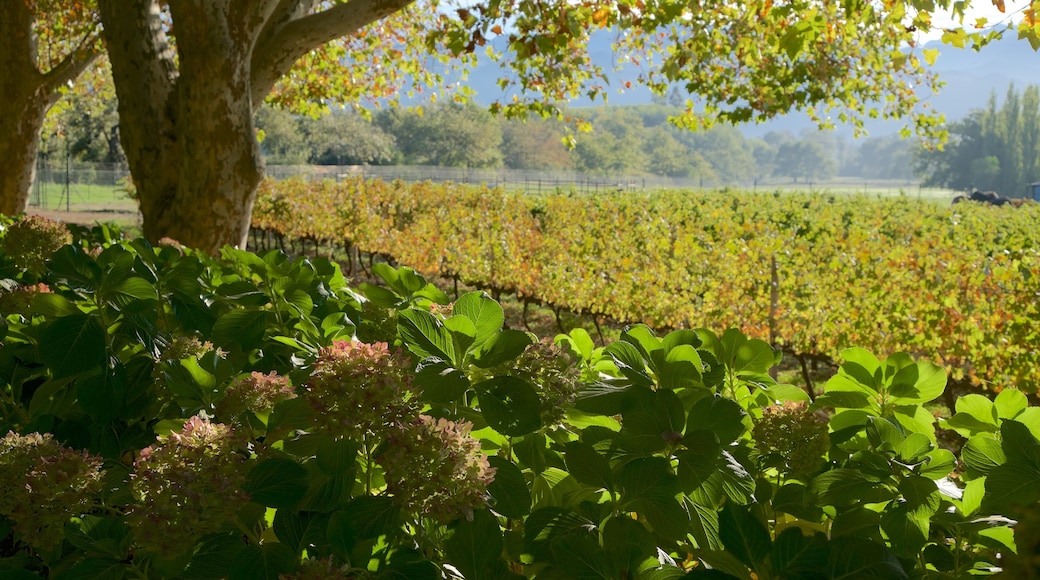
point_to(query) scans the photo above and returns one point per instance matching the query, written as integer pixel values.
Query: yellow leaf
(930, 54)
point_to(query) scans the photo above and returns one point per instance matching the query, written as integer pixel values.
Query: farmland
(810, 273)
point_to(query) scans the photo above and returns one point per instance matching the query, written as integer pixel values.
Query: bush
(189, 417)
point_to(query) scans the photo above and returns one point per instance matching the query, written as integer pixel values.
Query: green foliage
(226, 422)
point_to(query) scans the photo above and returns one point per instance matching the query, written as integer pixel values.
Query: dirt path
(89, 218)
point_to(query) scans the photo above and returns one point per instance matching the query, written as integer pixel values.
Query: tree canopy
(190, 74)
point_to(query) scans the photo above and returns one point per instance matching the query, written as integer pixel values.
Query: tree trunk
(187, 129)
(186, 123)
(21, 118)
(26, 94)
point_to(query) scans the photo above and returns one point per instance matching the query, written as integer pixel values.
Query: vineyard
(812, 274)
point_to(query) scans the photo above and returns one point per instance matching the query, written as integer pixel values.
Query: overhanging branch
(278, 50)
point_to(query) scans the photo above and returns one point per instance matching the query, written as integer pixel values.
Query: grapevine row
(814, 274)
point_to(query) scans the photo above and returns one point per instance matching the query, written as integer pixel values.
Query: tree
(346, 138)
(996, 148)
(189, 74)
(804, 159)
(449, 135)
(44, 46)
(534, 144)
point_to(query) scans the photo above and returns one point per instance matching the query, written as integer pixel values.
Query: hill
(969, 76)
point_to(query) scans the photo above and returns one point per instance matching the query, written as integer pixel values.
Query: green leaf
(1019, 444)
(475, 546)
(510, 405)
(242, 329)
(908, 531)
(426, 336)
(854, 558)
(846, 486)
(743, 535)
(857, 522)
(1012, 486)
(630, 362)
(705, 525)
(754, 356)
(647, 477)
(73, 344)
(722, 417)
(588, 466)
(337, 457)
(266, 561)
(129, 291)
(1009, 403)
(485, 313)
(795, 555)
(103, 395)
(843, 400)
(627, 542)
(509, 492)
(580, 556)
(918, 383)
(938, 464)
(983, 453)
(212, 557)
(277, 483)
(367, 516)
(580, 341)
(651, 420)
(51, 305)
(501, 348)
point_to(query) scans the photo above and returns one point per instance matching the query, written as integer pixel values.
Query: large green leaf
(854, 558)
(983, 453)
(588, 466)
(847, 486)
(475, 545)
(509, 493)
(1011, 486)
(722, 417)
(510, 405)
(501, 348)
(918, 383)
(627, 542)
(652, 420)
(242, 329)
(796, 556)
(277, 483)
(263, 562)
(485, 313)
(426, 336)
(73, 344)
(743, 535)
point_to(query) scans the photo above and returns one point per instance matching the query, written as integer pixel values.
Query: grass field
(81, 197)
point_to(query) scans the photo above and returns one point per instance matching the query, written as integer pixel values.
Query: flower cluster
(550, 368)
(31, 240)
(187, 486)
(257, 392)
(435, 469)
(182, 347)
(359, 389)
(43, 484)
(793, 437)
(18, 300)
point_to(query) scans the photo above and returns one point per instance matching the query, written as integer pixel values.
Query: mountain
(970, 77)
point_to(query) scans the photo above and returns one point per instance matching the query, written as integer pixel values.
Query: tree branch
(282, 45)
(72, 65)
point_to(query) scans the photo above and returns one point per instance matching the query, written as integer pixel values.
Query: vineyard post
(774, 303)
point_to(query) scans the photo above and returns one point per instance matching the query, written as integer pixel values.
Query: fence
(83, 186)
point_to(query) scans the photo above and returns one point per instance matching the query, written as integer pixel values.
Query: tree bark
(26, 94)
(187, 124)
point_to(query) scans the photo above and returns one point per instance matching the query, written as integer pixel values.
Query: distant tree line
(631, 140)
(996, 148)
